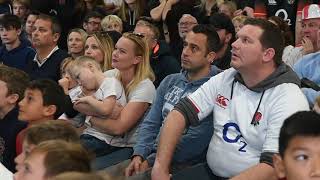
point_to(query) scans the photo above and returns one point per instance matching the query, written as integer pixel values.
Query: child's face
(33, 168)
(85, 78)
(31, 107)
(10, 35)
(20, 10)
(114, 26)
(26, 149)
(301, 159)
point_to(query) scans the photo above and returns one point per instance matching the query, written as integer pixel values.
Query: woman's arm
(167, 8)
(128, 117)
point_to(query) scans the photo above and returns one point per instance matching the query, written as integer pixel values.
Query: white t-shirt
(236, 144)
(5, 174)
(109, 87)
(292, 55)
(144, 92)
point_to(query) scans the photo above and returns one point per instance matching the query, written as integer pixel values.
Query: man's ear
(56, 37)
(279, 166)
(85, 26)
(228, 38)
(18, 32)
(13, 98)
(50, 110)
(268, 55)
(211, 56)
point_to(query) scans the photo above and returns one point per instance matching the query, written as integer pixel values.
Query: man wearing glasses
(92, 22)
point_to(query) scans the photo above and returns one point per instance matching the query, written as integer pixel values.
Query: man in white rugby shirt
(249, 103)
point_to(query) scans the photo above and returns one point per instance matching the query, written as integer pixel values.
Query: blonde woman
(100, 46)
(76, 40)
(131, 62)
(206, 8)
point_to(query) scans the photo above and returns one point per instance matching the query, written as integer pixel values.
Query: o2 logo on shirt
(283, 14)
(238, 139)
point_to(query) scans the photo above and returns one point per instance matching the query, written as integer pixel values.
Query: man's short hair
(55, 25)
(16, 80)
(222, 21)
(51, 130)
(213, 40)
(151, 26)
(9, 21)
(304, 123)
(52, 94)
(271, 37)
(92, 14)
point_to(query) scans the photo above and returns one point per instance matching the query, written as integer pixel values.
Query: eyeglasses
(186, 23)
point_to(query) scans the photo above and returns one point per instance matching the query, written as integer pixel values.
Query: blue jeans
(112, 159)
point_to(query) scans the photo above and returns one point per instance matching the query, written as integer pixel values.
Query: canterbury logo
(222, 101)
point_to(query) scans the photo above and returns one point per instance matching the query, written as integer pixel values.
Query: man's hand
(307, 46)
(134, 166)
(159, 173)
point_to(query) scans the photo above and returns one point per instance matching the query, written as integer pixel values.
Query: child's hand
(64, 83)
(85, 99)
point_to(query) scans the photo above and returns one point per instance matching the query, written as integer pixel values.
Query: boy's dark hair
(304, 123)
(55, 25)
(52, 94)
(9, 21)
(16, 80)
(35, 13)
(271, 37)
(92, 14)
(213, 40)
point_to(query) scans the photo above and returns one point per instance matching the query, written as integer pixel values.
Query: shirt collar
(46, 58)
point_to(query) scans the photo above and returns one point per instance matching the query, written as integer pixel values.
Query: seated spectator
(100, 46)
(43, 100)
(98, 96)
(130, 12)
(298, 147)
(76, 40)
(244, 137)
(51, 158)
(310, 23)
(185, 24)
(308, 67)
(228, 8)
(226, 31)
(31, 19)
(49, 130)
(46, 62)
(95, 5)
(21, 9)
(112, 23)
(197, 69)
(161, 60)
(238, 22)
(92, 22)
(14, 52)
(12, 85)
(131, 62)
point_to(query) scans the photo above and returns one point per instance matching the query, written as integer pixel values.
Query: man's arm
(261, 171)
(170, 135)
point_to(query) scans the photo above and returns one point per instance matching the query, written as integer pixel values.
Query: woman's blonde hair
(65, 65)
(240, 19)
(143, 69)
(106, 46)
(138, 11)
(216, 3)
(110, 19)
(83, 34)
